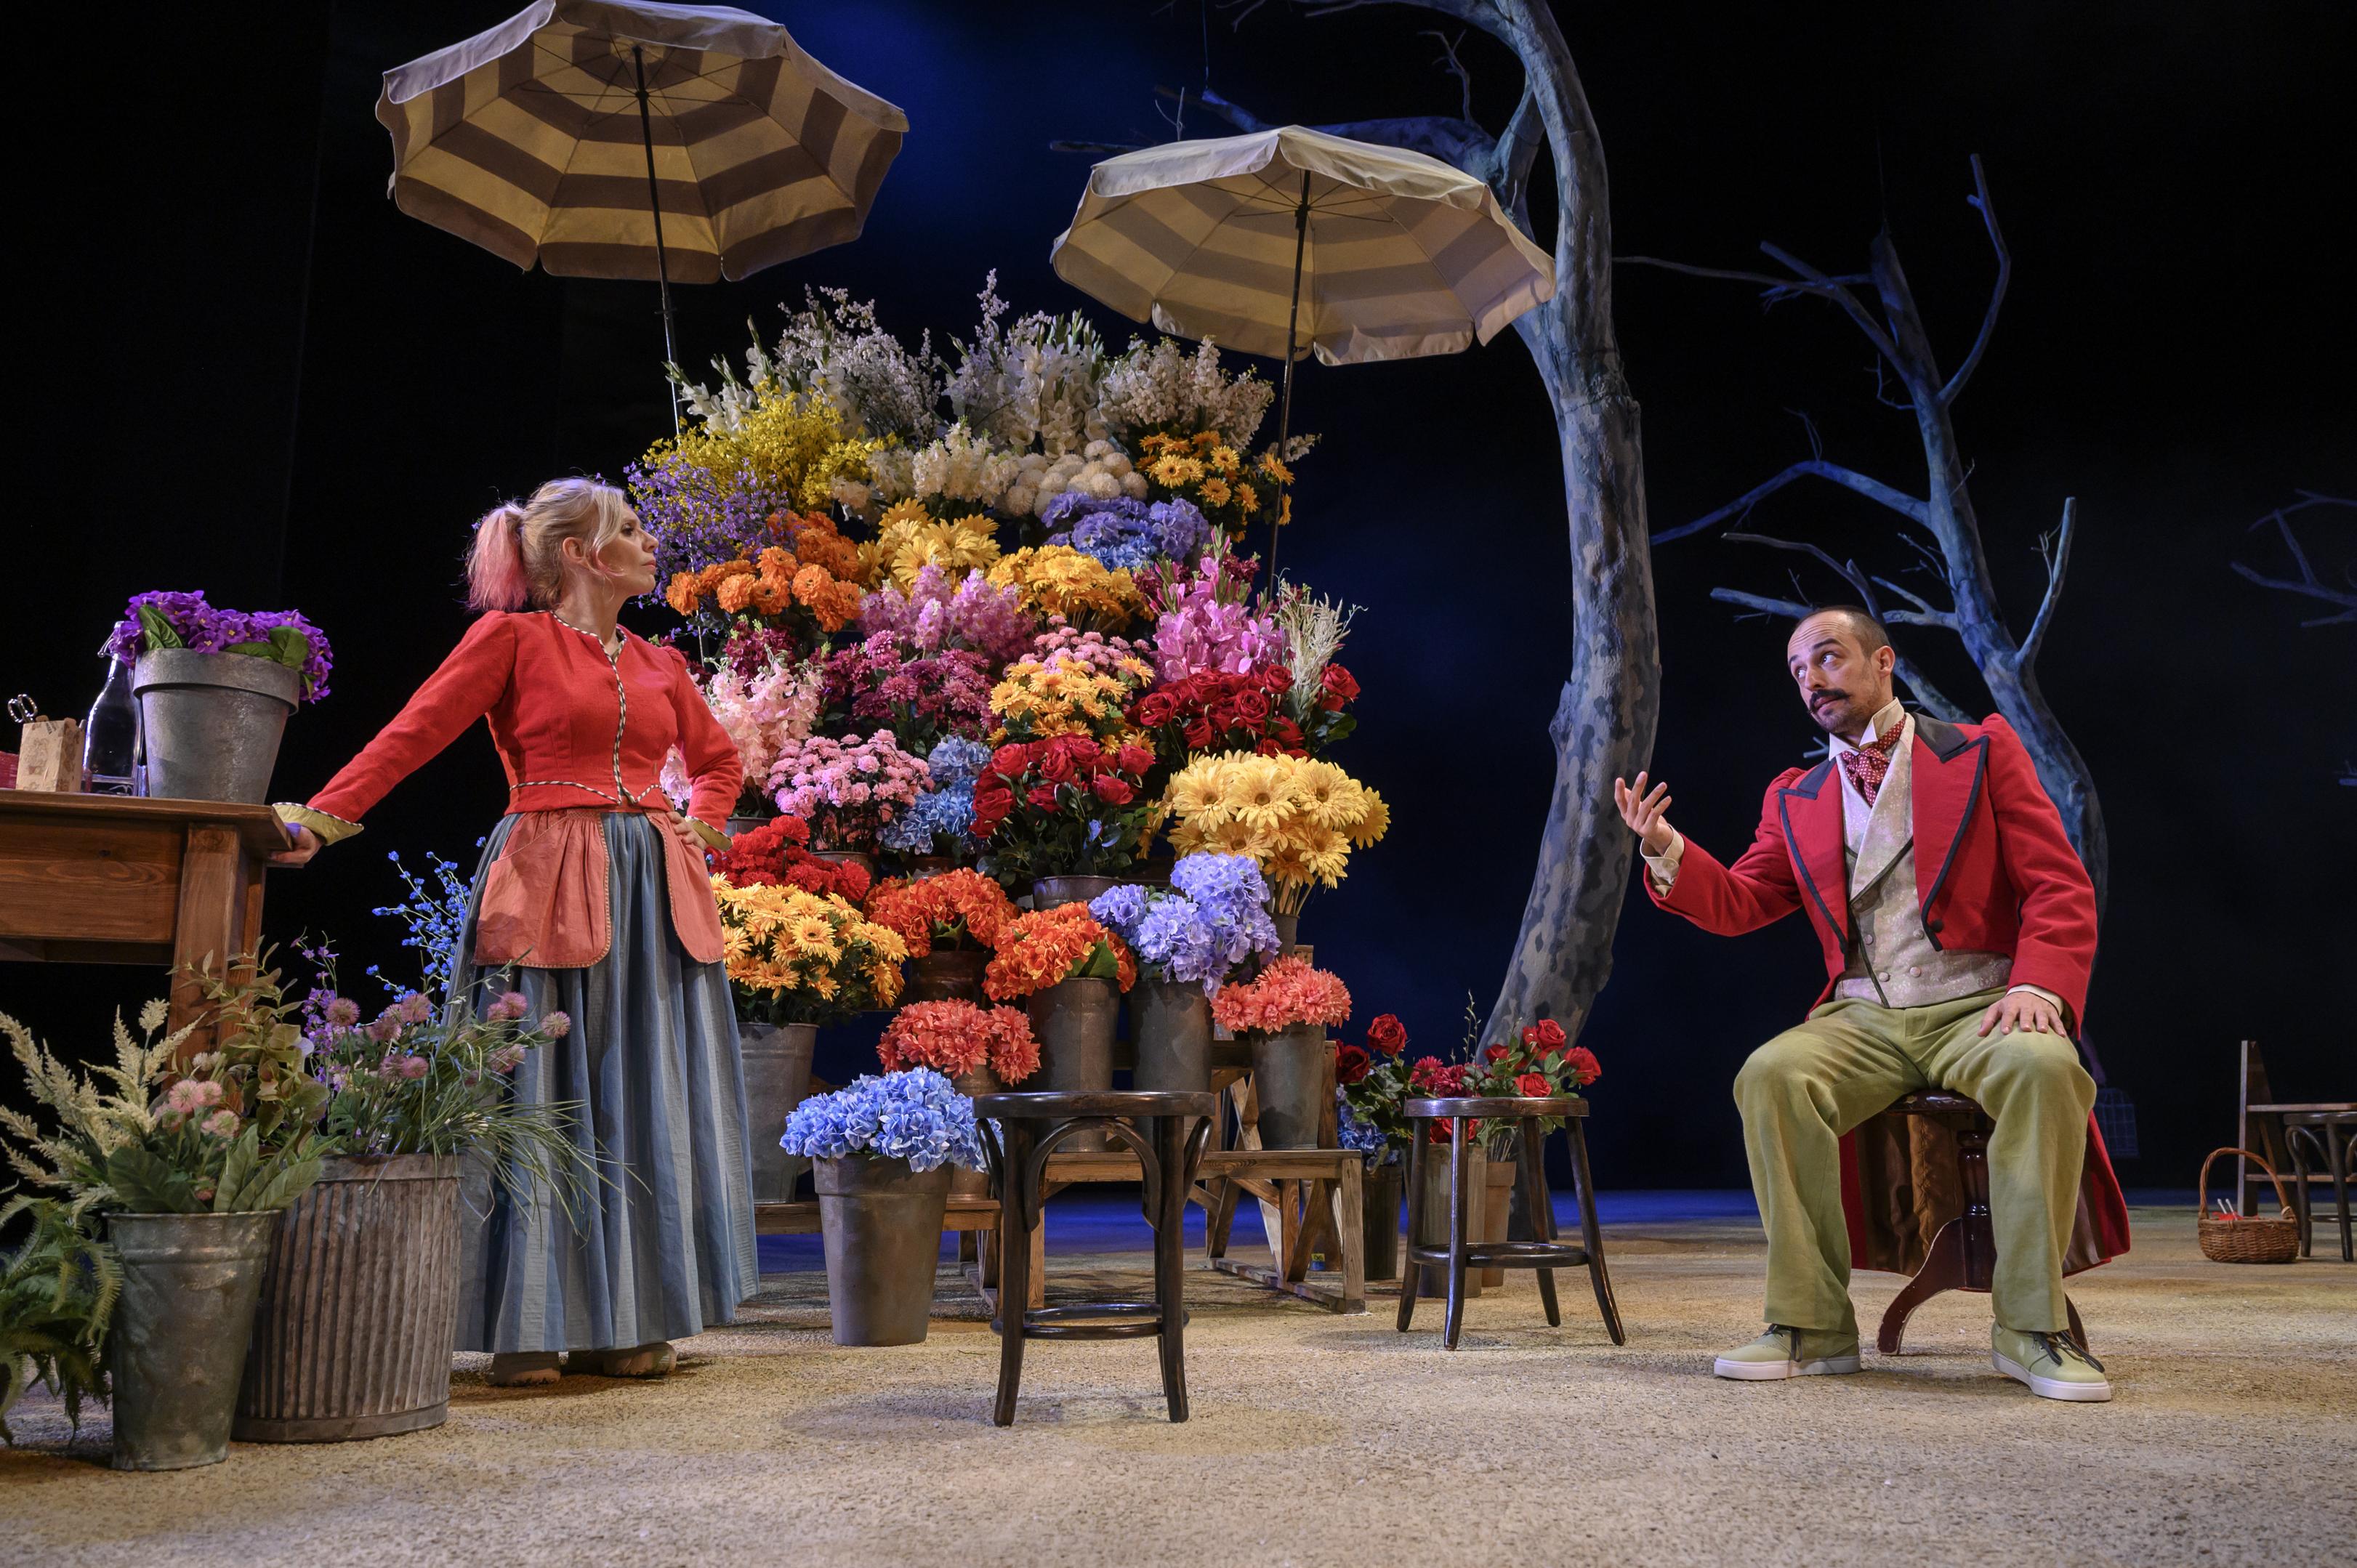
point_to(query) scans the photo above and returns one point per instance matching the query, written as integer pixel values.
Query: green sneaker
(1784, 1352)
(2051, 1364)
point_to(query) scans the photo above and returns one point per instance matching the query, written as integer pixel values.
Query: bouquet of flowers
(1056, 579)
(1207, 473)
(805, 958)
(914, 1115)
(160, 621)
(1126, 533)
(1166, 388)
(1214, 711)
(1038, 950)
(1537, 1060)
(847, 791)
(1298, 818)
(956, 909)
(909, 540)
(1100, 471)
(919, 700)
(1055, 808)
(814, 592)
(942, 822)
(1370, 1085)
(1211, 920)
(953, 1038)
(1203, 621)
(1065, 693)
(1286, 993)
(777, 853)
(939, 611)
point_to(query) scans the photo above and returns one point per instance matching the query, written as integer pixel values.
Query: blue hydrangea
(914, 1115)
(939, 814)
(1353, 1134)
(1180, 529)
(956, 760)
(1210, 919)
(1123, 532)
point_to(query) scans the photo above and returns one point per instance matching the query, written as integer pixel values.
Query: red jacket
(1994, 873)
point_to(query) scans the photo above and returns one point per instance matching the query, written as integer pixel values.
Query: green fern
(57, 1290)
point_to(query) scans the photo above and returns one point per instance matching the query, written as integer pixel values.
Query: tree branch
(1928, 696)
(1456, 68)
(1517, 150)
(1847, 571)
(1833, 289)
(2308, 585)
(2060, 563)
(1898, 500)
(1980, 198)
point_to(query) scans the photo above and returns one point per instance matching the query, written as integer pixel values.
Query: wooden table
(114, 879)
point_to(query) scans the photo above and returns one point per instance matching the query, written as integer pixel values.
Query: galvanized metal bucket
(949, 975)
(1289, 1080)
(1381, 1213)
(881, 1223)
(177, 1347)
(1075, 1020)
(1049, 892)
(1171, 1029)
(360, 1306)
(213, 722)
(777, 1079)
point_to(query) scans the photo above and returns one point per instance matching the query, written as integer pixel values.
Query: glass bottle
(110, 747)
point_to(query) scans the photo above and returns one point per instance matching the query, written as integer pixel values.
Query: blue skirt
(660, 1245)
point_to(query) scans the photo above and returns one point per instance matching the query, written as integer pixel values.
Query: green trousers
(1802, 1090)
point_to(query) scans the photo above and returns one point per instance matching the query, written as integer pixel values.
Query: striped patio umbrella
(1289, 241)
(685, 142)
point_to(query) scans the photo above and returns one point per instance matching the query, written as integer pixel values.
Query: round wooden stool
(1031, 1126)
(1546, 1254)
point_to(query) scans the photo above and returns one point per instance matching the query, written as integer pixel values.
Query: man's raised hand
(1647, 814)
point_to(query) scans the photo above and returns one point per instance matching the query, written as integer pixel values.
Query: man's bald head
(1842, 659)
(1860, 622)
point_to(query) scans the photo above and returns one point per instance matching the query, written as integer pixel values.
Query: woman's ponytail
(496, 576)
(519, 555)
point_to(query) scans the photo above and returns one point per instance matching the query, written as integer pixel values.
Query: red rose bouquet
(959, 909)
(1069, 805)
(953, 1038)
(1537, 1061)
(1371, 1081)
(777, 853)
(1213, 710)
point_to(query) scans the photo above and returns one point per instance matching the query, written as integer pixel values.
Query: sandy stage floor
(1318, 1439)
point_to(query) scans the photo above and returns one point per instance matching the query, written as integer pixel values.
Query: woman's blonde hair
(519, 553)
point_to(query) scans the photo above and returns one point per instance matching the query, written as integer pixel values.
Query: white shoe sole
(2051, 1388)
(1775, 1371)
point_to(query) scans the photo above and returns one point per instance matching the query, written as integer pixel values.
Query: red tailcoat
(1994, 873)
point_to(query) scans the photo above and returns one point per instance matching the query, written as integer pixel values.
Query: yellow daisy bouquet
(909, 539)
(805, 958)
(1298, 818)
(1236, 492)
(1056, 579)
(1063, 692)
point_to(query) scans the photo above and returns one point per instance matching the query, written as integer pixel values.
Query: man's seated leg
(1799, 1093)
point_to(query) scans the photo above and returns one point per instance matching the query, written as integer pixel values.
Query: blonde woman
(592, 899)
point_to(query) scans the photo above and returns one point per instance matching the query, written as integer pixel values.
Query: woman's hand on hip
(680, 828)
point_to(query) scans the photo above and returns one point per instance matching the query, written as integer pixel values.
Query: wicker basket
(2251, 1239)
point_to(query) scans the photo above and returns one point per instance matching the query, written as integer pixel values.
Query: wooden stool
(1962, 1256)
(1546, 1254)
(1032, 1126)
(2331, 1135)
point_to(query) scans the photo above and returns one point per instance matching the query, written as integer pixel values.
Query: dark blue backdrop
(247, 372)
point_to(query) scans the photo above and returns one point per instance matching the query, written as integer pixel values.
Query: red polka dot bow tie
(1867, 765)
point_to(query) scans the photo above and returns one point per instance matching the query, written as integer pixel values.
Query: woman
(593, 892)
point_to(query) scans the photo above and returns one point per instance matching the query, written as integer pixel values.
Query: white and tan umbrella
(1289, 241)
(685, 142)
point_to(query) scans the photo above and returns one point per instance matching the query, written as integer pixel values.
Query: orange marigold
(736, 594)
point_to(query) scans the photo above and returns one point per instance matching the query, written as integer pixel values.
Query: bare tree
(1941, 525)
(1604, 718)
(2308, 585)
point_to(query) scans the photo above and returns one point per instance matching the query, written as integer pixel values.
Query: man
(1958, 929)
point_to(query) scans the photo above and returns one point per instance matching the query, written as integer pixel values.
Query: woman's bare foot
(654, 1360)
(524, 1368)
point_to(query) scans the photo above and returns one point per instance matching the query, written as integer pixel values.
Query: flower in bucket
(915, 1114)
(846, 790)
(942, 822)
(1062, 807)
(1211, 919)
(1298, 818)
(776, 854)
(152, 622)
(1038, 949)
(956, 1037)
(1288, 992)
(959, 909)
(805, 958)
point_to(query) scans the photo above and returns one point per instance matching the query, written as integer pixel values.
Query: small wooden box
(50, 760)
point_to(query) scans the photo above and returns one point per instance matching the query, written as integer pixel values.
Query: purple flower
(201, 628)
(342, 1012)
(556, 1025)
(418, 1009)
(510, 1005)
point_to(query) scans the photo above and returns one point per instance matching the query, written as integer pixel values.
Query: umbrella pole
(1285, 399)
(654, 205)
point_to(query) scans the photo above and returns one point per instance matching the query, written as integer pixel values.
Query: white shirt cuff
(1661, 869)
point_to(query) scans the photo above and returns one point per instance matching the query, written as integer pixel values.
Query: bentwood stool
(1030, 1127)
(1963, 1255)
(1545, 1254)
(2332, 1136)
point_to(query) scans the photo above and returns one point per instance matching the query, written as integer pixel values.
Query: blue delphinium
(1210, 920)
(945, 811)
(914, 1115)
(435, 916)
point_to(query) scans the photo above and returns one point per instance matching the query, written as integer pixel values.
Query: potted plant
(57, 1291)
(847, 791)
(881, 1152)
(1298, 818)
(1070, 970)
(1283, 1014)
(1370, 1085)
(796, 960)
(361, 1296)
(980, 1050)
(191, 1186)
(951, 923)
(1535, 1061)
(1189, 939)
(1062, 816)
(215, 688)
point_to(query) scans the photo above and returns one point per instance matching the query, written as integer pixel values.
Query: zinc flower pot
(777, 1079)
(1288, 933)
(965, 1183)
(360, 1306)
(949, 975)
(1432, 1225)
(213, 722)
(1170, 1031)
(1289, 1080)
(1382, 1217)
(881, 1223)
(1075, 1022)
(178, 1347)
(1048, 892)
